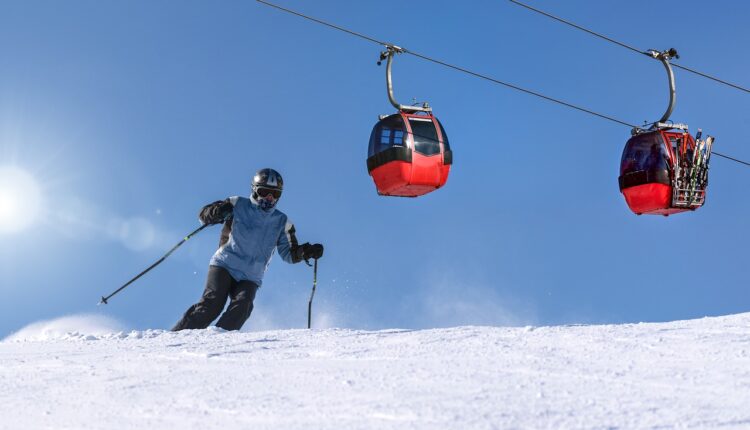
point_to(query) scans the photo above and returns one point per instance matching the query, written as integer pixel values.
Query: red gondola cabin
(409, 154)
(663, 172)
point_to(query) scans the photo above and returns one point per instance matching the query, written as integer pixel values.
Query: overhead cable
(636, 50)
(442, 63)
(469, 72)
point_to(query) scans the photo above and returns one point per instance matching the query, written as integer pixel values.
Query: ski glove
(216, 213)
(313, 251)
(307, 251)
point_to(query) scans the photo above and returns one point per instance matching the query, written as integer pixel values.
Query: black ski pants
(219, 286)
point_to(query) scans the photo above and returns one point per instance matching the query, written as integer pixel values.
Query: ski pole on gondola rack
(184, 239)
(315, 283)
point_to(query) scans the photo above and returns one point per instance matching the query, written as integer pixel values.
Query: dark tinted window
(644, 152)
(425, 136)
(385, 136)
(387, 132)
(445, 136)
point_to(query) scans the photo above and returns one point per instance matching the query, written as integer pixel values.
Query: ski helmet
(267, 182)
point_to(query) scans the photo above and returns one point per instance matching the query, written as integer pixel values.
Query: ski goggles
(265, 192)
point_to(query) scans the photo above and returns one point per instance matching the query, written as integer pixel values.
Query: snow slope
(684, 374)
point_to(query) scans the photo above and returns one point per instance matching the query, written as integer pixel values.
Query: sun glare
(20, 199)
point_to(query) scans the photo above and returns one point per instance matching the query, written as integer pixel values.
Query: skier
(253, 228)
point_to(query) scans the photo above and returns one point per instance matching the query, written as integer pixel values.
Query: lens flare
(20, 200)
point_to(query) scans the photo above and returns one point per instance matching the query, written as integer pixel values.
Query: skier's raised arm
(216, 212)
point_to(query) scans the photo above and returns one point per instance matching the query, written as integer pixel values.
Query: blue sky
(132, 115)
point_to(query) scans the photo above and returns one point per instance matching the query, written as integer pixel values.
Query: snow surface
(683, 374)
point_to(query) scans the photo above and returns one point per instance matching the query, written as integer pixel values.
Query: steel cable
(481, 76)
(626, 46)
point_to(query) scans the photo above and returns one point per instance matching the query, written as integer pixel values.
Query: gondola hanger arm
(388, 54)
(664, 57)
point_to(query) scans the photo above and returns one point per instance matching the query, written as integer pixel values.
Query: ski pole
(184, 239)
(315, 283)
